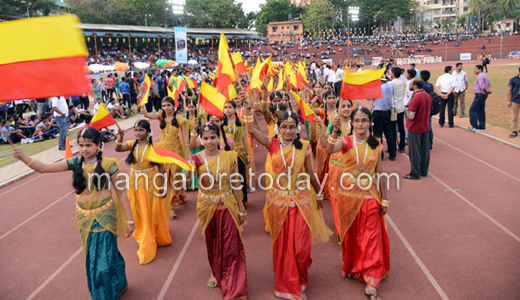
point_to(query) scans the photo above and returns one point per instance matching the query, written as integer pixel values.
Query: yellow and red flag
(259, 73)
(301, 77)
(226, 70)
(42, 57)
(292, 80)
(307, 112)
(270, 85)
(212, 101)
(191, 83)
(239, 63)
(102, 119)
(173, 95)
(162, 156)
(281, 80)
(146, 89)
(362, 85)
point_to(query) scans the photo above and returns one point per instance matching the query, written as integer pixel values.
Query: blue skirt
(105, 266)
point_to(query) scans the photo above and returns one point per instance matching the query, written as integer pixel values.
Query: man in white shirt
(338, 79)
(329, 75)
(445, 86)
(461, 85)
(398, 103)
(61, 115)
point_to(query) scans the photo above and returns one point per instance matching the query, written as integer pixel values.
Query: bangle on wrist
(332, 140)
(242, 214)
(385, 203)
(30, 162)
(119, 143)
(132, 222)
(193, 134)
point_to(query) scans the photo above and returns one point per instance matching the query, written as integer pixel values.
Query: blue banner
(181, 45)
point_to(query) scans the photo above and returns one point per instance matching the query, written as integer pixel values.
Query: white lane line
(479, 160)
(418, 260)
(46, 282)
(178, 262)
(477, 208)
(34, 216)
(474, 206)
(24, 183)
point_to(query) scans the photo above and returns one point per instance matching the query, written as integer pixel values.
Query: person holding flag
(289, 208)
(173, 138)
(151, 223)
(102, 214)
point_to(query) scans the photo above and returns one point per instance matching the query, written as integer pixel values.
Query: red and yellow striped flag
(362, 85)
(162, 156)
(239, 63)
(212, 100)
(146, 89)
(173, 95)
(191, 83)
(42, 57)
(281, 80)
(102, 119)
(307, 112)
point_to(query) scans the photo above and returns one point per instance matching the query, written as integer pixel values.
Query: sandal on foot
(408, 176)
(372, 296)
(514, 134)
(212, 284)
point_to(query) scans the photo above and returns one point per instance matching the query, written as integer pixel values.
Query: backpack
(436, 101)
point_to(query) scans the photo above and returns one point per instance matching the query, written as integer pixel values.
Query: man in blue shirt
(513, 97)
(381, 117)
(125, 91)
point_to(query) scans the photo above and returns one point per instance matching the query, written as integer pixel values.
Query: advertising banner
(465, 56)
(181, 45)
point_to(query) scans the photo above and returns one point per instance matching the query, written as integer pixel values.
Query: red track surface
(461, 224)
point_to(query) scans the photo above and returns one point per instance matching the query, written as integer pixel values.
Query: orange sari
(362, 230)
(293, 218)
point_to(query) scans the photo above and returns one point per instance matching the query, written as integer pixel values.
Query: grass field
(497, 113)
(31, 149)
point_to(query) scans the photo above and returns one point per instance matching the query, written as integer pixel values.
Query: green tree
(484, 10)
(106, 12)
(509, 5)
(320, 14)
(275, 11)
(376, 12)
(17, 8)
(214, 14)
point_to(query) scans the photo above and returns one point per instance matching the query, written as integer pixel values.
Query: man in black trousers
(418, 125)
(381, 116)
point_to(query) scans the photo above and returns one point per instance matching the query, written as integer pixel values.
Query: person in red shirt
(418, 125)
(109, 84)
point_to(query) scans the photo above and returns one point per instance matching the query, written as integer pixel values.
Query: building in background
(504, 25)
(289, 31)
(445, 9)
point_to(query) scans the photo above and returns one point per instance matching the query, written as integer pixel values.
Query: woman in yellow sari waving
(292, 207)
(361, 203)
(221, 214)
(151, 222)
(173, 138)
(101, 215)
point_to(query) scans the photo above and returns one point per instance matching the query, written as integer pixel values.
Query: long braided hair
(194, 103)
(78, 182)
(174, 120)
(338, 132)
(328, 93)
(237, 120)
(130, 159)
(371, 140)
(222, 131)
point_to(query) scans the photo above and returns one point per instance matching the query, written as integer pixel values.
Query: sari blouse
(236, 132)
(170, 137)
(361, 182)
(221, 197)
(106, 209)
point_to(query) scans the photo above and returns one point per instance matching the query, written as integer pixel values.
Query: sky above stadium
(250, 5)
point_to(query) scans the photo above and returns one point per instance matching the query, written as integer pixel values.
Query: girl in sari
(271, 109)
(221, 214)
(192, 116)
(235, 128)
(241, 113)
(147, 205)
(102, 214)
(325, 114)
(173, 138)
(361, 203)
(344, 107)
(293, 210)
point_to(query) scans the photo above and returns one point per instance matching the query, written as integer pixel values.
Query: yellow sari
(151, 223)
(170, 141)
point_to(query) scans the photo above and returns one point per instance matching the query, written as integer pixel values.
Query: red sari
(363, 236)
